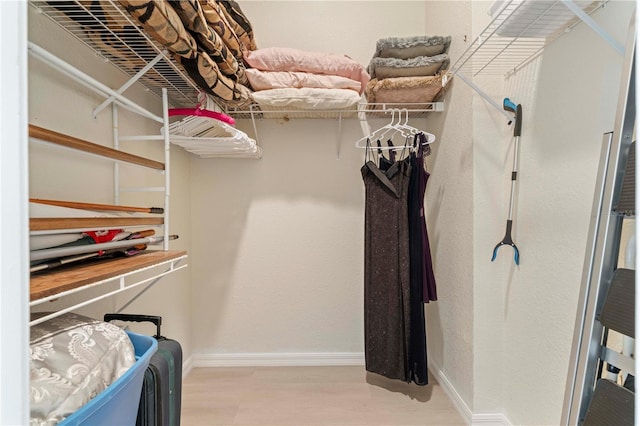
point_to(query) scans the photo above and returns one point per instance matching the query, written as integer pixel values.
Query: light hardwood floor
(310, 396)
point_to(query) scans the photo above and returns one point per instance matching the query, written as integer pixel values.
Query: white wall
(58, 103)
(573, 104)
(14, 248)
(524, 316)
(449, 205)
(278, 242)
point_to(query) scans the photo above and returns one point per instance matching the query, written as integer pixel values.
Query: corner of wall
(469, 417)
(451, 392)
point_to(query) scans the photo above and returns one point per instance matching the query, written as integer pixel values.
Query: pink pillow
(265, 80)
(289, 59)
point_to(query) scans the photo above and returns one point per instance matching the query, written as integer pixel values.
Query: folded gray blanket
(411, 47)
(421, 66)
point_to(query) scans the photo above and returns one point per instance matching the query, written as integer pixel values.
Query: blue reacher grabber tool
(507, 240)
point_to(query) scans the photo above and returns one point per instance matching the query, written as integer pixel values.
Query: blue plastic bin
(117, 405)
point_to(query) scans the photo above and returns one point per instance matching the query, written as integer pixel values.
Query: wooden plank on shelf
(90, 147)
(96, 206)
(50, 283)
(51, 223)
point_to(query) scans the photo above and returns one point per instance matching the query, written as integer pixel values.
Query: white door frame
(14, 214)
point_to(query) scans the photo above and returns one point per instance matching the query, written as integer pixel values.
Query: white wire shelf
(111, 33)
(361, 111)
(105, 28)
(518, 33)
(108, 31)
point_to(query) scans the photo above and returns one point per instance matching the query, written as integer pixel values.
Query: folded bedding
(205, 73)
(193, 19)
(106, 41)
(420, 66)
(72, 359)
(218, 22)
(265, 80)
(239, 22)
(163, 23)
(412, 47)
(295, 60)
(306, 98)
(206, 37)
(401, 90)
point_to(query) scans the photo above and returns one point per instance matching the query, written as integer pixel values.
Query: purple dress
(428, 278)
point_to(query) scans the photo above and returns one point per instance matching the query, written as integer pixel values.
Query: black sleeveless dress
(386, 274)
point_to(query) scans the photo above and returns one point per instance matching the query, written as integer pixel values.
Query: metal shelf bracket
(577, 10)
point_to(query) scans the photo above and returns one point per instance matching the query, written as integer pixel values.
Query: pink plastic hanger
(202, 113)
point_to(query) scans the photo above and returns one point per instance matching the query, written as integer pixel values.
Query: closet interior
(165, 111)
(46, 286)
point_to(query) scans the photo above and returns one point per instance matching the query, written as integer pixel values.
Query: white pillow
(265, 80)
(306, 98)
(289, 59)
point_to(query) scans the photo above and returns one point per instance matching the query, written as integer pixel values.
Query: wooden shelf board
(50, 283)
(50, 223)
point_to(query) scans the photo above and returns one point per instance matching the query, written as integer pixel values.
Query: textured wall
(571, 103)
(276, 263)
(280, 269)
(502, 334)
(278, 242)
(449, 203)
(524, 316)
(492, 160)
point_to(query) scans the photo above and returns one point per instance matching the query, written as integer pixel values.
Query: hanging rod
(92, 148)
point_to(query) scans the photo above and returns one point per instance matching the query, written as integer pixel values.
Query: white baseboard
(278, 359)
(451, 392)
(187, 365)
(470, 418)
(490, 419)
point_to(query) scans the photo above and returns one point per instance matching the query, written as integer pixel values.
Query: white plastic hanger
(405, 124)
(196, 133)
(403, 128)
(382, 131)
(205, 135)
(197, 120)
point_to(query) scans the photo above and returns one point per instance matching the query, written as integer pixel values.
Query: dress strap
(392, 154)
(368, 154)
